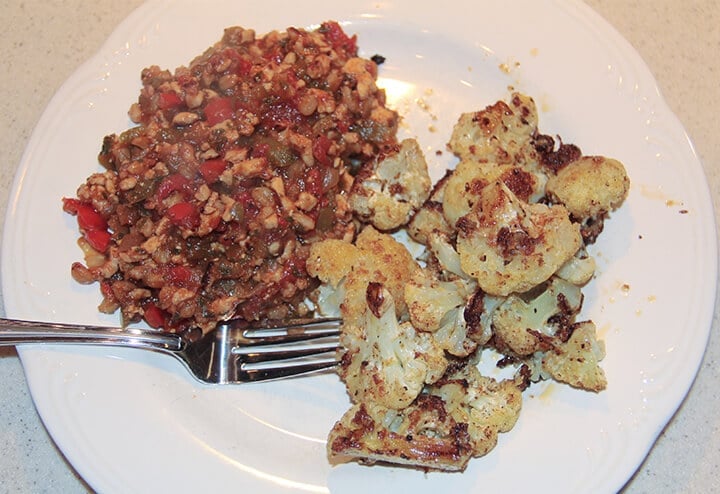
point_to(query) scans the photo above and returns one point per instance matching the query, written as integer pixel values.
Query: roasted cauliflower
(422, 435)
(387, 192)
(522, 323)
(452, 421)
(511, 246)
(347, 269)
(576, 361)
(487, 406)
(386, 361)
(501, 133)
(439, 307)
(590, 187)
(500, 270)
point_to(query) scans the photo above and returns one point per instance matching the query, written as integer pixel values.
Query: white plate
(135, 422)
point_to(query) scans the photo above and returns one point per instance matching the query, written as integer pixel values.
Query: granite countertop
(42, 43)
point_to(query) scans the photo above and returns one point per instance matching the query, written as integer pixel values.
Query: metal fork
(230, 354)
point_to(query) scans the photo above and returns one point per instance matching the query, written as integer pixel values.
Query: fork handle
(16, 332)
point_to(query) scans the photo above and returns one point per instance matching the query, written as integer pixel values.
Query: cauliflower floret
(510, 246)
(521, 325)
(579, 269)
(350, 268)
(390, 362)
(423, 435)
(428, 300)
(445, 254)
(439, 307)
(487, 406)
(576, 362)
(430, 218)
(501, 133)
(590, 187)
(387, 192)
(469, 178)
(458, 418)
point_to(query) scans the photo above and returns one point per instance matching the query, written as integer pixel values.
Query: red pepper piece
(212, 169)
(173, 183)
(88, 218)
(98, 239)
(167, 101)
(154, 315)
(184, 214)
(91, 223)
(180, 275)
(218, 110)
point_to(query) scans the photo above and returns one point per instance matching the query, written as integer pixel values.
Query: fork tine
(264, 353)
(255, 373)
(299, 330)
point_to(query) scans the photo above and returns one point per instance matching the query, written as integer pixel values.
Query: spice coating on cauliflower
(510, 246)
(389, 190)
(487, 406)
(456, 419)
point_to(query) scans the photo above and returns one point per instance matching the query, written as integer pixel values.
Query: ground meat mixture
(238, 163)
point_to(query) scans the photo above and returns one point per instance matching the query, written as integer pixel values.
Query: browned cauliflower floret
(501, 133)
(454, 420)
(387, 192)
(429, 218)
(386, 361)
(579, 269)
(589, 187)
(487, 406)
(469, 178)
(439, 307)
(576, 362)
(522, 325)
(510, 246)
(423, 435)
(348, 269)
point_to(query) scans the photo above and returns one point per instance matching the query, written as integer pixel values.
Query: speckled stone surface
(42, 43)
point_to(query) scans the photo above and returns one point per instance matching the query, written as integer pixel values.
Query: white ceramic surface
(134, 422)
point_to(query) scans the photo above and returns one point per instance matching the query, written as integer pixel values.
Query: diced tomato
(98, 239)
(321, 146)
(212, 169)
(173, 183)
(218, 110)
(337, 37)
(154, 315)
(184, 214)
(168, 100)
